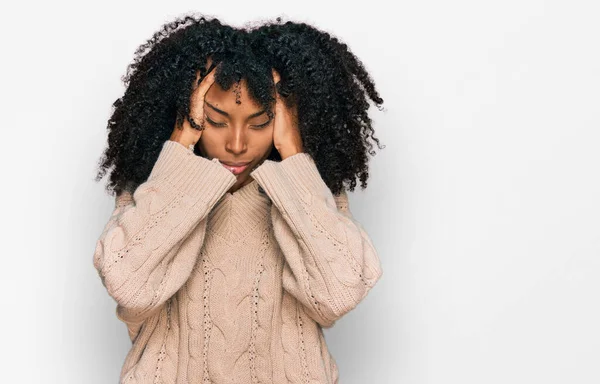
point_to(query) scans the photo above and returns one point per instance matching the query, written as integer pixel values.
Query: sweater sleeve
(151, 242)
(330, 261)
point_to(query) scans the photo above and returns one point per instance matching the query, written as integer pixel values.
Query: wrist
(189, 147)
(287, 152)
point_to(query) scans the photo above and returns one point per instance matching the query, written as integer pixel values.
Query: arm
(330, 261)
(145, 252)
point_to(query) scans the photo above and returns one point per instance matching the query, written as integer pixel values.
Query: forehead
(226, 99)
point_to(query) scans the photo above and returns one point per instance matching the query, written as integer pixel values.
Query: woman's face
(235, 133)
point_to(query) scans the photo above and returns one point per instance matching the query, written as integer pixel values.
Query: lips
(235, 168)
(238, 164)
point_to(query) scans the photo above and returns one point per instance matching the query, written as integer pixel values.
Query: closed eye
(263, 124)
(214, 123)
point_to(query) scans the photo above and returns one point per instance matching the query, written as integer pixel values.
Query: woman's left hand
(286, 134)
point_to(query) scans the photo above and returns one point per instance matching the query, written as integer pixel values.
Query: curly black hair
(319, 74)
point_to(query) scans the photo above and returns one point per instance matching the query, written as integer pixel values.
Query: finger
(276, 79)
(278, 101)
(200, 93)
(206, 83)
(207, 68)
(276, 76)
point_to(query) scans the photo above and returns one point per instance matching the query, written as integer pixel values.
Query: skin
(240, 133)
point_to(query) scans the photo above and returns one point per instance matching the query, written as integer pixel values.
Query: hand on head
(189, 133)
(286, 134)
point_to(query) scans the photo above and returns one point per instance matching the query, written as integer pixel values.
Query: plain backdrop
(483, 205)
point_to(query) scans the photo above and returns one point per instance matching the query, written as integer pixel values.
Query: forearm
(145, 252)
(331, 262)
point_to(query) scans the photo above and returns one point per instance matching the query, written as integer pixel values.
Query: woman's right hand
(186, 134)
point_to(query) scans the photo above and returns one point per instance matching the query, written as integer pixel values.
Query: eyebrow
(227, 114)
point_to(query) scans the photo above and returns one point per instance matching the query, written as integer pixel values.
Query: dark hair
(319, 74)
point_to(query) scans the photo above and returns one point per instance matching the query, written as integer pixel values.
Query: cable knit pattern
(218, 287)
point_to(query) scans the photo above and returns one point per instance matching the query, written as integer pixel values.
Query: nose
(236, 142)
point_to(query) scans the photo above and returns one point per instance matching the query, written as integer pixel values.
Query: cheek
(262, 140)
(265, 136)
(210, 141)
(265, 145)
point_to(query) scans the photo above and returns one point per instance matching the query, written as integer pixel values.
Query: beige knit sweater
(219, 287)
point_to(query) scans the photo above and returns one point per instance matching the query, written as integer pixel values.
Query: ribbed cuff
(295, 177)
(180, 169)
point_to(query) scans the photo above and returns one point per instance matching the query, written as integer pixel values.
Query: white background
(484, 205)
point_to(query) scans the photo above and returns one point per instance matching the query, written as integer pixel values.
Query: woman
(231, 244)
